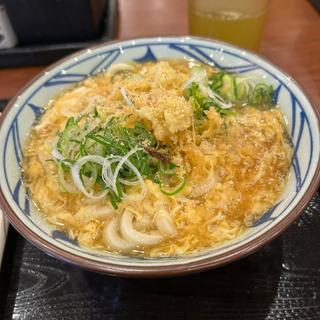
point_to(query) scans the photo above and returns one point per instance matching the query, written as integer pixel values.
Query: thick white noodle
(205, 187)
(133, 236)
(164, 223)
(112, 238)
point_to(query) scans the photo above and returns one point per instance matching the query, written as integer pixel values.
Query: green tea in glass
(236, 21)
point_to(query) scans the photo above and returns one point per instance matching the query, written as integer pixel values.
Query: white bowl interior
(302, 123)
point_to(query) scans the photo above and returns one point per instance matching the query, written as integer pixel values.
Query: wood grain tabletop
(291, 38)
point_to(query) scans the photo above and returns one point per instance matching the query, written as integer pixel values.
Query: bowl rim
(166, 270)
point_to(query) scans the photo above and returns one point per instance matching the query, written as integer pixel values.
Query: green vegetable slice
(111, 140)
(228, 88)
(241, 90)
(178, 189)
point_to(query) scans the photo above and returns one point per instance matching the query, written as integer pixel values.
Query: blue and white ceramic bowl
(18, 118)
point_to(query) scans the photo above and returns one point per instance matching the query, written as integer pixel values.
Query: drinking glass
(236, 21)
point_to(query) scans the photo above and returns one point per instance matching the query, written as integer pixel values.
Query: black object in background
(41, 54)
(3, 103)
(55, 21)
(316, 4)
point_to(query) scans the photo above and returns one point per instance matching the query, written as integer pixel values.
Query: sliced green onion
(110, 157)
(175, 191)
(261, 95)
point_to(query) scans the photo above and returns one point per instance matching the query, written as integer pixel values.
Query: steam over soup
(158, 159)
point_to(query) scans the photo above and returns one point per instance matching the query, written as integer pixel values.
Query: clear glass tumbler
(236, 21)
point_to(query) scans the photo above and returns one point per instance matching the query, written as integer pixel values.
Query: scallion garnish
(223, 91)
(106, 159)
(176, 189)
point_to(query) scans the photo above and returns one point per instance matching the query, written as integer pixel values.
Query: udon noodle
(158, 159)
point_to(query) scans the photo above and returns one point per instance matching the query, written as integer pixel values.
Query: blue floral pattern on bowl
(297, 109)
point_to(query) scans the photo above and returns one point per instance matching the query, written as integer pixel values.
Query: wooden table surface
(291, 38)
